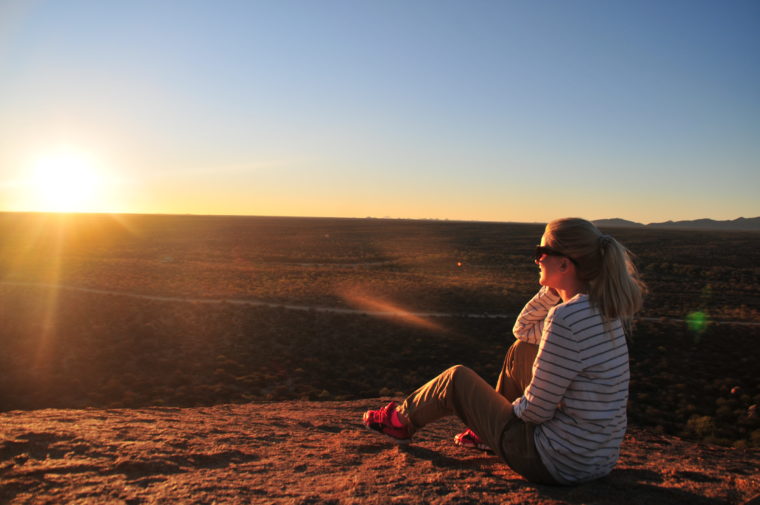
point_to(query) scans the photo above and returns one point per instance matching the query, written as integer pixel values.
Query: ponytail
(604, 265)
(617, 290)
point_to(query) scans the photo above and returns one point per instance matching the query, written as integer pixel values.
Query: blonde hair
(603, 264)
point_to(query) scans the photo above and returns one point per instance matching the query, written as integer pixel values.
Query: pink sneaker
(381, 420)
(470, 440)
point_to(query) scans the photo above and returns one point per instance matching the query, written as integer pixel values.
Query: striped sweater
(579, 390)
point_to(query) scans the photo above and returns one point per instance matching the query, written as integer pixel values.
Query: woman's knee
(456, 372)
(521, 355)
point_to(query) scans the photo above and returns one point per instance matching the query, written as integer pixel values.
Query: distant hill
(742, 223)
(710, 224)
(616, 222)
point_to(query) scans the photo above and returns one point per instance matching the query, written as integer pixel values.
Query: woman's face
(549, 268)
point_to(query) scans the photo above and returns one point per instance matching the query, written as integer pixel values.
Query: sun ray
(51, 276)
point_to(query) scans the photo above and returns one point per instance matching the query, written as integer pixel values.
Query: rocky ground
(319, 453)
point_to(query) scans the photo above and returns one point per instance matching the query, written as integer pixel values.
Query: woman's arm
(557, 365)
(530, 323)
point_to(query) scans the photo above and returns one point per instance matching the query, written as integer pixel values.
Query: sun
(65, 181)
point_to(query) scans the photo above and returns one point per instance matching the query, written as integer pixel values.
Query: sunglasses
(542, 249)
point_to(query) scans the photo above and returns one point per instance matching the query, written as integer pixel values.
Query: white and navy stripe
(579, 390)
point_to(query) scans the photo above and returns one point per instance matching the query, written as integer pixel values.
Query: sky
(463, 110)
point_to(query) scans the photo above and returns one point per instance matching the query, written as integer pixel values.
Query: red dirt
(319, 453)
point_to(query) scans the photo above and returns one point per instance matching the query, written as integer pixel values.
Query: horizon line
(384, 218)
(190, 214)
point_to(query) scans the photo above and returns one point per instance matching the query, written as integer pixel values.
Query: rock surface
(319, 453)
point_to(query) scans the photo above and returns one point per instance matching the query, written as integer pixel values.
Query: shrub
(702, 426)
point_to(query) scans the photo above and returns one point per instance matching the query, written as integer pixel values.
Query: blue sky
(507, 111)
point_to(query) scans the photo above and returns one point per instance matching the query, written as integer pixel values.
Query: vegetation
(67, 348)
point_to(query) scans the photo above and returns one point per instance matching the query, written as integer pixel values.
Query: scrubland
(70, 349)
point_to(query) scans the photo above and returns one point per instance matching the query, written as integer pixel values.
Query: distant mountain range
(742, 223)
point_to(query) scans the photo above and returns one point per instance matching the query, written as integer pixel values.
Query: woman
(558, 413)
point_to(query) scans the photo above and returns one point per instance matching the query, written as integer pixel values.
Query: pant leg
(517, 371)
(460, 391)
(518, 445)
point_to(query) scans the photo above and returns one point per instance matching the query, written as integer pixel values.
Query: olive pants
(486, 411)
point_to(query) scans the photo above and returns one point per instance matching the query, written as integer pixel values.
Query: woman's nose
(536, 261)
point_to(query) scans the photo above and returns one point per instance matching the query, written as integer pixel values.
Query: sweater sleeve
(557, 364)
(530, 323)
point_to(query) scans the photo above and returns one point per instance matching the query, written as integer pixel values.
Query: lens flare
(379, 307)
(697, 322)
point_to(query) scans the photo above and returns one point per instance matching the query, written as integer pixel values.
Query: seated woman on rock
(558, 413)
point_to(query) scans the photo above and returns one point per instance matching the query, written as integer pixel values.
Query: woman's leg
(517, 371)
(518, 447)
(459, 391)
